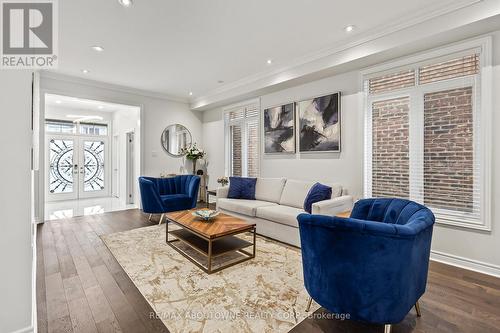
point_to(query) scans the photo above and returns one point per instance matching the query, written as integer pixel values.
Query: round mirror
(175, 138)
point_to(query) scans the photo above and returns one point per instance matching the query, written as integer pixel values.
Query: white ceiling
(176, 46)
(80, 104)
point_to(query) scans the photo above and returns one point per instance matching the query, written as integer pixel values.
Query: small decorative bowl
(205, 214)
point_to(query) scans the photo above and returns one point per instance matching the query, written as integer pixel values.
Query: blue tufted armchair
(163, 195)
(372, 265)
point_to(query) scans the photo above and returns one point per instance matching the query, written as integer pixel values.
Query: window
(242, 137)
(93, 129)
(60, 126)
(427, 124)
(70, 127)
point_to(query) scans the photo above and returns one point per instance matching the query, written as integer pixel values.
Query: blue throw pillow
(318, 192)
(242, 188)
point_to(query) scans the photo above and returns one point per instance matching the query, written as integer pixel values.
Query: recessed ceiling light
(125, 3)
(350, 28)
(58, 102)
(100, 107)
(190, 93)
(269, 61)
(220, 81)
(85, 71)
(97, 48)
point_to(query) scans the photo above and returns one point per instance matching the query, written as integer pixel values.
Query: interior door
(115, 191)
(130, 168)
(93, 167)
(62, 167)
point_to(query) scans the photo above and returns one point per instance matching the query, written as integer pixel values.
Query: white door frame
(97, 95)
(78, 171)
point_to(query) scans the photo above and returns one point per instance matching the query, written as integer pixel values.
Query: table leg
(209, 265)
(166, 232)
(254, 238)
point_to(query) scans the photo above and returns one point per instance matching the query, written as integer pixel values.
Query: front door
(77, 167)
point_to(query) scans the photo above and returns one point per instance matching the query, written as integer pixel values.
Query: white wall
(156, 114)
(343, 168)
(464, 247)
(60, 113)
(16, 254)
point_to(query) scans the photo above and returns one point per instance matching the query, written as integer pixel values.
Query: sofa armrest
(222, 192)
(333, 206)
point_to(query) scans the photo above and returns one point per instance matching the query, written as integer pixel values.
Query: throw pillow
(318, 192)
(242, 188)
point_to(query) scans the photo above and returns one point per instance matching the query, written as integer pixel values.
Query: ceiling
(80, 104)
(174, 47)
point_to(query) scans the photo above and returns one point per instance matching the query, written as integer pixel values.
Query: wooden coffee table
(345, 214)
(211, 239)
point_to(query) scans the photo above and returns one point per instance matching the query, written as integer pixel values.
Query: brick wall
(390, 155)
(448, 149)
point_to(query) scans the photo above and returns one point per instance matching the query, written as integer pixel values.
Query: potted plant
(223, 181)
(193, 154)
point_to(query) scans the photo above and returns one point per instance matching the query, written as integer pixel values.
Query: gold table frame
(211, 247)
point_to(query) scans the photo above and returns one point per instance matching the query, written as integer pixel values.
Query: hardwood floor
(82, 288)
(80, 285)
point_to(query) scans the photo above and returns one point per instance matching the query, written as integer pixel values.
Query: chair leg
(417, 308)
(150, 216)
(309, 304)
(387, 328)
(161, 218)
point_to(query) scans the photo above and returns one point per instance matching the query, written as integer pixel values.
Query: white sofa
(278, 202)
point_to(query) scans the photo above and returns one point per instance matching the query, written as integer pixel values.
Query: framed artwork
(279, 129)
(319, 124)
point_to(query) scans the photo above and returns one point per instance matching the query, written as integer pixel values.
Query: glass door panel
(93, 168)
(76, 168)
(62, 169)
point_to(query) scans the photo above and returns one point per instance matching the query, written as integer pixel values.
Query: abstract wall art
(319, 124)
(279, 129)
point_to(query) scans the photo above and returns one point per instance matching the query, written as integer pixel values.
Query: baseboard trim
(29, 329)
(465, 263)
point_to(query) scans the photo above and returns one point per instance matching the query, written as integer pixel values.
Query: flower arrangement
(193, 153)
(223, 181)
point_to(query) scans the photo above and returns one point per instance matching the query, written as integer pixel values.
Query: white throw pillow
(295, 192)
(269, 189)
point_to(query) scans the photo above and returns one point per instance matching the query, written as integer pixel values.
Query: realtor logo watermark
(29, 34)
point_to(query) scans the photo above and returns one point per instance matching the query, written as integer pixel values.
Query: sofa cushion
(295, 192)
(269, 189)
(176, 201)
(242, 206)
(242, 188)
(318, 192)
(280, 214)
(170, 197)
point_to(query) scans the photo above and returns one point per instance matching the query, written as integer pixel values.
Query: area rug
(265, 294)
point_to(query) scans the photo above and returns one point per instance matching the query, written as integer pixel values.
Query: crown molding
(112, 87)
(278, 75)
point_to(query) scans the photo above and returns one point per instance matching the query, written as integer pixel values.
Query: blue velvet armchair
(372, 266)
(163, 195)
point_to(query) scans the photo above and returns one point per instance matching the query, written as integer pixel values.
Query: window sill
(466, 223)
